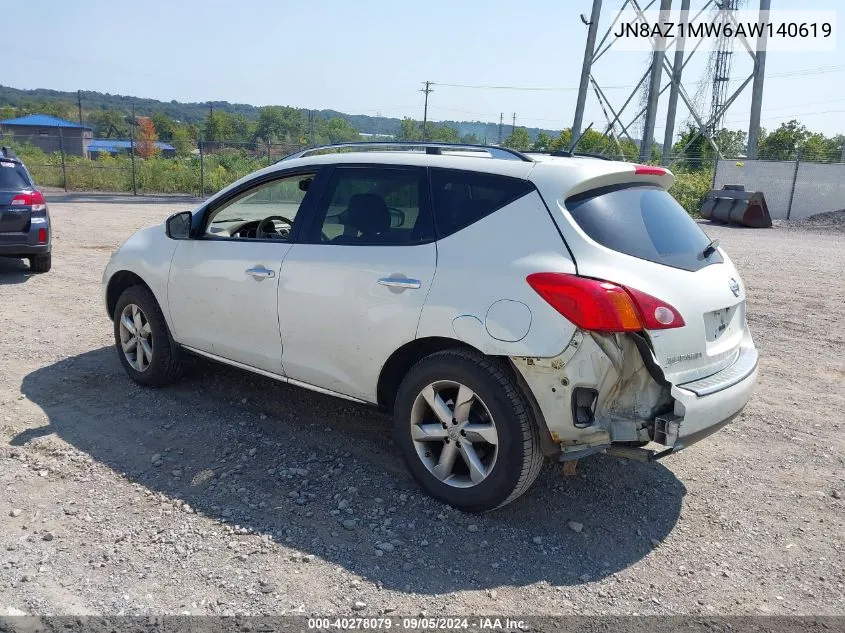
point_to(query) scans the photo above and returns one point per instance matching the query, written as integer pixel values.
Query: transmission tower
(722, 62)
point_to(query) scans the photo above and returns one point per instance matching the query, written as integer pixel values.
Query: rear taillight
(602, 306)
(34, 199)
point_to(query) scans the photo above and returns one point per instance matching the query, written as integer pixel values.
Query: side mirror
(178, 226)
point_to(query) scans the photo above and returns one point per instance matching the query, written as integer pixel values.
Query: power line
(821, 70)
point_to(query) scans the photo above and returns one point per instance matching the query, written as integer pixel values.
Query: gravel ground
(234, 494)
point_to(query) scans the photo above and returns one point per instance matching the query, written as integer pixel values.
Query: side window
(461, 198)
(374, 205)
(264, 212)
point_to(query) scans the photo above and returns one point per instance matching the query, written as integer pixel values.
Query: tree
(108, 124)
(181, 140)
(784, 142)
(819, 148)
(562, 142)
(218, 126)
(695, 150)
(164, 125)
(279, 124)
(410, 130)
(241, 128)
(145, 144)
(442, 133)
(543, 142)
(470, 139)
(518, 139)
(731, 143)
(692, 149)
(334, 130)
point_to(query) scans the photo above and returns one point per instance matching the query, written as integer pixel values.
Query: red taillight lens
(602, 306)
(648, 170)
(656, 314)
(34, 199)
(590, 304)
(42, 236)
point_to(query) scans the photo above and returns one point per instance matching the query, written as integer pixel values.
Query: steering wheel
(263, 232)
(396, 213)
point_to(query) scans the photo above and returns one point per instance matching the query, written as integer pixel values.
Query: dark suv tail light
(34, 199)
(602, 306)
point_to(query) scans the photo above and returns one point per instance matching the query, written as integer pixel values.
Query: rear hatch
(637, 235)
(14, 218)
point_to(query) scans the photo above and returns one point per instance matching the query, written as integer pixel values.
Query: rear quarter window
(461, 198)
(643, 222)
(13, 176)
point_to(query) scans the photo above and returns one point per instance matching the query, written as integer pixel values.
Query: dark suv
(24, 220)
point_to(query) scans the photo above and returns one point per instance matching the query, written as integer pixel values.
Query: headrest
(368, 213)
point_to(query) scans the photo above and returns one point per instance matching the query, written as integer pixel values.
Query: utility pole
(79, 104)
(310, 127)
(501, 120)
(513, 123)
(677, 69)
(757, 87)
(132, 151)
(593, 25)
(426, 90)
(654, 85)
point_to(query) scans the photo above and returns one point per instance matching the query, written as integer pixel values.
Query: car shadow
(321, 476)
(13, 270)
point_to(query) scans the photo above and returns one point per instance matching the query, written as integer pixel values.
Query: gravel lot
(234, 494)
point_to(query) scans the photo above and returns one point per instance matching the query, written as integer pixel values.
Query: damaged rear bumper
(705, 406)
(623, 425)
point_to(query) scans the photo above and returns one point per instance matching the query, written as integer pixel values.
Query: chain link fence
(794, 189)
(201, 168)
(138, 167)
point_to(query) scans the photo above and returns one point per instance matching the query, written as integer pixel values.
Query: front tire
(41, 263)
(466, 432)
(144, 345)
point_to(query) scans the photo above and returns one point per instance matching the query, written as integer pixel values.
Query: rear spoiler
(7, 152)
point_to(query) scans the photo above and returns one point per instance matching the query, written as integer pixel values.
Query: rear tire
(41, 263)
(144, 345)
(482, 450)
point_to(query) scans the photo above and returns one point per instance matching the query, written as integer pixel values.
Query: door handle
(260, 272)
(400, 282)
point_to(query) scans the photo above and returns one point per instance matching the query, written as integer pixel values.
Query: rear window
(12, 176)
(644, 222)
(463, 197)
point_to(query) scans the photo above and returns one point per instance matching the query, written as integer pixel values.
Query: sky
(371, 57)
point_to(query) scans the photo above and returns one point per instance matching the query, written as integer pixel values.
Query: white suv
(505, 307)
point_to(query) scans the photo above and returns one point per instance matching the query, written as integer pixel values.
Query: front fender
(146, 254)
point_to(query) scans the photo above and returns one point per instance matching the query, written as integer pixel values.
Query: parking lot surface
(230, 493)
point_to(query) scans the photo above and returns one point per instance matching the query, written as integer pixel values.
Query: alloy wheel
(454, 434)
(136, 338)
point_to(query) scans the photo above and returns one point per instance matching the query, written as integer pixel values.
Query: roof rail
(430, 148)
(567, 154)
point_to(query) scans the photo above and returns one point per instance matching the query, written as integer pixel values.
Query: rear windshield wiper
(710, 249)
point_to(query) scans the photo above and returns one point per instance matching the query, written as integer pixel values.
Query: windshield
(644, 222)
